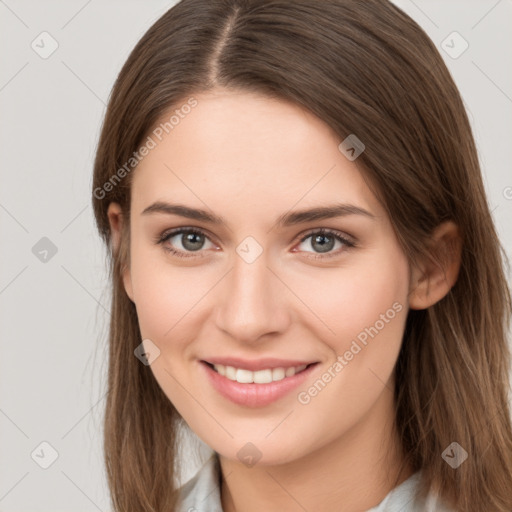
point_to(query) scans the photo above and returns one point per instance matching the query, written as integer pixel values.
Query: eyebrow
(284, 220)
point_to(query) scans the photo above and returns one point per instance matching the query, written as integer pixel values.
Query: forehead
(245, 150)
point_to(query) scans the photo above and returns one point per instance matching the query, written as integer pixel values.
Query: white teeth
(259, 377)
(244, 376)
(279, 373)
(230, 372)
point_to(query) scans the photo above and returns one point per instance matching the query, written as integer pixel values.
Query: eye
(192, 240)
(188, 240)
(324, 240)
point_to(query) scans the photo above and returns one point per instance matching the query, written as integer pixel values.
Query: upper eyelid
(169, 233)
(299, 238)
(334, 232)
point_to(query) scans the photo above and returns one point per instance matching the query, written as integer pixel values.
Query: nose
(252, 301)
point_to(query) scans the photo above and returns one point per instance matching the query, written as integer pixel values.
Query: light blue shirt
(202, 494)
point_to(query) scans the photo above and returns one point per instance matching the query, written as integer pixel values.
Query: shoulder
(403, 498)
(202, 491)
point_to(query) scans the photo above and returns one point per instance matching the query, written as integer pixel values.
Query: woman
(305, 271)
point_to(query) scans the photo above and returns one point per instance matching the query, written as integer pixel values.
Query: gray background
(54, 313)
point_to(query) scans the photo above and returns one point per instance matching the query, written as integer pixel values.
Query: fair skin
(250, 159)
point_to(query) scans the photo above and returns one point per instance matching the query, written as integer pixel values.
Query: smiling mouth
(264, 376)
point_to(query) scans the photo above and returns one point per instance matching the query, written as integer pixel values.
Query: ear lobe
(433, 279)
(115, 217)
(127, 282)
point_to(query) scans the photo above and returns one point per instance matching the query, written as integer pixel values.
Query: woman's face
(264, 288)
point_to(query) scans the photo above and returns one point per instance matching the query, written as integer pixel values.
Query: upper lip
(257, 364)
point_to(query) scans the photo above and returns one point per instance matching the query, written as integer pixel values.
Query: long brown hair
(364, 68)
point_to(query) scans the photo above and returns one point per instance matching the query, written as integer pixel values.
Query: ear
(432, 280)
(115, 218)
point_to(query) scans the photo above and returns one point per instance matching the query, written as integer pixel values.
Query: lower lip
(255, 395)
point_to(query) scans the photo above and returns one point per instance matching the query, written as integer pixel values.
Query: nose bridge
(250, 305)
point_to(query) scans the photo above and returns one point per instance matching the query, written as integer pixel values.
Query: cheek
(372, 314)
(363, 303)
(163, 293)
(367, 312)
(167, 300)
(349, 299)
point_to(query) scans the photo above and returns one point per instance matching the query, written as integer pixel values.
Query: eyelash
(166, 235)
